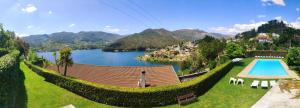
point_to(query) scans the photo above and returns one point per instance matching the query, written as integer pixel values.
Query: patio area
(275, 98)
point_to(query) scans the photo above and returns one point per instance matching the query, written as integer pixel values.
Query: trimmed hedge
(3, 52)
(135, 97)
(11, 81)
(266, 53)
(8, 61)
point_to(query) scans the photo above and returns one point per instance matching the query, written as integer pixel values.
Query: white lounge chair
(255, 84)
(232, 80)
(264, 84)
(240, 81)
(272, 83)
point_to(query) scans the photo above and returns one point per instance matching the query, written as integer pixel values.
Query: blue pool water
(268, 68)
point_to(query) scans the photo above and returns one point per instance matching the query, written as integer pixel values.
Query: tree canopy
(234, 50)
(65, 58)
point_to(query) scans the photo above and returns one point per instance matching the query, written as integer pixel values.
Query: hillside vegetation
(81, 40)
(149, 38)
(158, 38)
(288, 36)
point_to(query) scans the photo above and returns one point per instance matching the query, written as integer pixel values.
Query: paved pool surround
(245, 72)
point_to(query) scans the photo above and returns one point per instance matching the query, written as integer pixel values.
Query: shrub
(293, 58)
(134, 97)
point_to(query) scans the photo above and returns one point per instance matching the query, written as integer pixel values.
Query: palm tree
(65, 58)
(56, 60)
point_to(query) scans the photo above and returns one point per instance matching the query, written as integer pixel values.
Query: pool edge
(246, 70)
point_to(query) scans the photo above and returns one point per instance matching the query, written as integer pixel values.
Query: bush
(293, 58)
(135, 97)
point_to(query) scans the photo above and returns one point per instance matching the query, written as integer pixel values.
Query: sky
(28, 17)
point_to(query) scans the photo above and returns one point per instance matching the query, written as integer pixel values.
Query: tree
(210, 48)
(65, 58)
(56, 60)
(234, 50)
(22, 46)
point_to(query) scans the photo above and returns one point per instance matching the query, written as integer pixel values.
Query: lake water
(98, 57)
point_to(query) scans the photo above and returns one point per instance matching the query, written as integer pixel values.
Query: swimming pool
(271, 67)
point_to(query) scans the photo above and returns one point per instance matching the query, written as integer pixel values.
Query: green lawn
(41, 94)
(224, 95)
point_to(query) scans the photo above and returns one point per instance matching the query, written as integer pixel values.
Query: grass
(41, 94)
(225, 95)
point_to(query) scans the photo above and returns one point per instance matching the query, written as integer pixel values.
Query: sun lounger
(232, 80)
(272, 83)
(255, 84)
(264, 84)
(240, 81)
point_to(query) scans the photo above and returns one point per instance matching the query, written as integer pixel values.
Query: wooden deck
(126, 76)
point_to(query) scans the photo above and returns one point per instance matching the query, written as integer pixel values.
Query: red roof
(126, 76)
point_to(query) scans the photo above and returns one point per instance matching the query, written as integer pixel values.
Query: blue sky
(27, 17)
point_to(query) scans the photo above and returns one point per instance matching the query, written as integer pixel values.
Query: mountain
(194, 34)
(80, 40)
(149, 38)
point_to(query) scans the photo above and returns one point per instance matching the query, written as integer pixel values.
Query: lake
(101, 58)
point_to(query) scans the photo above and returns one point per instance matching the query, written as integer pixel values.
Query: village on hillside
(173, 53)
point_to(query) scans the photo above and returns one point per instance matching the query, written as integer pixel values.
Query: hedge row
(11, 80)
(266, 53)
(8, 60)
(135, 97)
(3, 52)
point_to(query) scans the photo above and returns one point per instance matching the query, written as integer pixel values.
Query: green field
(41, 94)
(225, 95)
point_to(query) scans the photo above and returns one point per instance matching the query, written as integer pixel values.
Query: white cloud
(71, 25)
(50, 12)
(261, 16)
(21, 34)
(271, 2)
(111, 29)
(237, 28)
(296, 24)
(30, 26)
(278, 18)
(29, 8)
(297, 9)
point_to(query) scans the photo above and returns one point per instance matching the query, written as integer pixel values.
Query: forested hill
(149, 38)
(273, 26)
(194, 34)
(158, 38)
(81, 40)
(288, 34)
